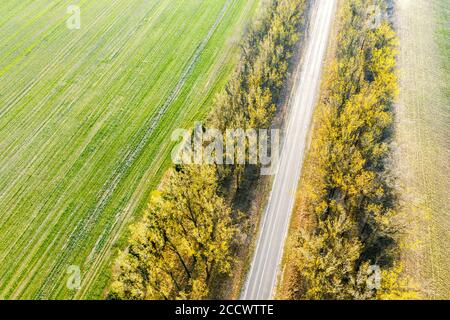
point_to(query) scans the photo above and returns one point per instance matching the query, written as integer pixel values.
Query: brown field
(422, 143)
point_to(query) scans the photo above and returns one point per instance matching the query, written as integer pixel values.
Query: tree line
(346, 245)
(187, 236)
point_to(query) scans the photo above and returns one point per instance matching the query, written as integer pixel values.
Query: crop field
(86, 117)
(422, 138)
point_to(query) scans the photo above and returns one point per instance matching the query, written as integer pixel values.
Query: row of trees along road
(349, 228)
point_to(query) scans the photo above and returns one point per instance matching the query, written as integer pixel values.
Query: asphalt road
(262, 276)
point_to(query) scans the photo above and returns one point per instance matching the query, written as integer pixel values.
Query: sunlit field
(86, 117)
(422, 133)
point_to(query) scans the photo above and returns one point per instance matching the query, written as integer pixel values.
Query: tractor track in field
(48, 218)
(14, 99)
(83, 226)
(51, 217)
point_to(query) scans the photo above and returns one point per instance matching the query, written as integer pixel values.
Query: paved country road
(262, 277)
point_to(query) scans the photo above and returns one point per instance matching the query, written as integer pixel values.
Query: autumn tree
(182, 241)
(350, 200)
(327, 260)
(252, 94)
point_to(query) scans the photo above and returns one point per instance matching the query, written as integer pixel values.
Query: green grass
(85, 123)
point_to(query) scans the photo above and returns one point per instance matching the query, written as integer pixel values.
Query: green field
(85, 123)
